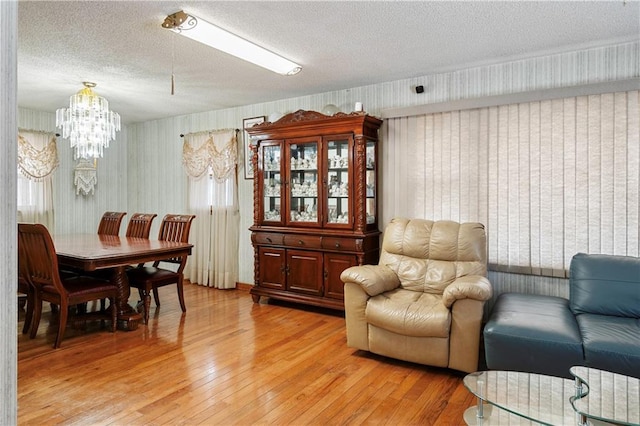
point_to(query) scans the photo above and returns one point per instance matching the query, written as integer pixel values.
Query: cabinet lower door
(304, 272)
(334, 265)
(272, 267)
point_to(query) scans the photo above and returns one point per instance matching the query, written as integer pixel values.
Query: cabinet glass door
(272, 183)
(303, 182)
(338, 185)
(370, 181)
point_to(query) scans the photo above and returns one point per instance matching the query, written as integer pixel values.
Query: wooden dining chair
(148, 279)
(27, 292)
(140, 225)
(37, 249)
(110, 223)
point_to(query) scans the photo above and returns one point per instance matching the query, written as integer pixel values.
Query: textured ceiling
(121, 46)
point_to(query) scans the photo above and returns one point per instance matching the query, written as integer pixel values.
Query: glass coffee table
(605, 396)
(595, 397)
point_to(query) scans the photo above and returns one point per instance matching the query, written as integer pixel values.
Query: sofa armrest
(474, 287)
(374, 279)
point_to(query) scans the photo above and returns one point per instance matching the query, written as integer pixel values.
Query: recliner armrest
(374, 279)
(468, 287)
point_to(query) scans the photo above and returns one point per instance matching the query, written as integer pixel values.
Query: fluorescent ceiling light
(206, 33)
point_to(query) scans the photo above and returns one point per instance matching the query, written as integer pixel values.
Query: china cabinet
(315, 204)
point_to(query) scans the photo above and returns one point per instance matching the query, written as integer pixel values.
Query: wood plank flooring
(227, 361)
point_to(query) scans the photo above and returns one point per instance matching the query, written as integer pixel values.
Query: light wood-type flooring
(227, 361)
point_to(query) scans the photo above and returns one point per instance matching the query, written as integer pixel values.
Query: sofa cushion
(532, 333)
(605, 285)
(409, 313)
(611, 343)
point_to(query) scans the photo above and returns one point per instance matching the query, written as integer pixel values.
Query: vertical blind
(548, 179)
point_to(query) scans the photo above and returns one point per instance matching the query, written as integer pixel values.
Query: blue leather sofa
(599, 326)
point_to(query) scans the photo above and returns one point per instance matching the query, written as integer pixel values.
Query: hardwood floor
(227, 361)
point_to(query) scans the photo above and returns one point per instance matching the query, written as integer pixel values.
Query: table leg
(481, 412)
(127, 316)
(581, 418)
(478, 414)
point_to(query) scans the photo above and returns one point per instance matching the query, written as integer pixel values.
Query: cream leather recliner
(424, 300)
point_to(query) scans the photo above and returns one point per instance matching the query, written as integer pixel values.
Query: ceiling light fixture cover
(200, 30)
(88, 123)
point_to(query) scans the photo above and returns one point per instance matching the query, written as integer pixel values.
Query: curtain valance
(37, 154)
(217, 149)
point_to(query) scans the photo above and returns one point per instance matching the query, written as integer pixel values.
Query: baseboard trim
(239, 286)
(243, 286)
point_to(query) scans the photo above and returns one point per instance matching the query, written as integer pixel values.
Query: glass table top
(595, 397)
(607, 396)
(526, 398)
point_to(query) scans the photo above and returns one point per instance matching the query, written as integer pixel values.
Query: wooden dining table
(90, 252)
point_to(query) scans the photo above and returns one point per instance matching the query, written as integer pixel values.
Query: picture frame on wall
(248, 164)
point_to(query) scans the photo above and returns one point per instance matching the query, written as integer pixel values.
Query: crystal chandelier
(88, 123)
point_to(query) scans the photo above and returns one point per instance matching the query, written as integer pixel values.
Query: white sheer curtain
(37, 160)
(210, 160)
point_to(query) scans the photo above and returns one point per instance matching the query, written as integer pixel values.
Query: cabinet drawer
(267, 238)
(303, 241)
(347, 244)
